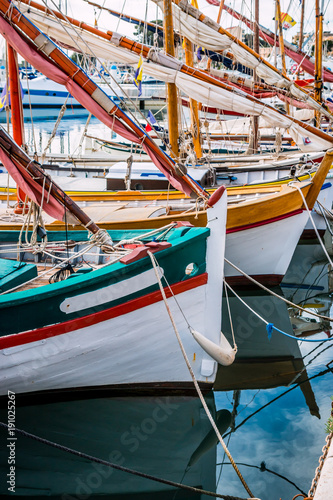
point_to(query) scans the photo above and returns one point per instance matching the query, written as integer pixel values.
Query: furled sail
(196, 83)
(306, 62)
(47, 58)
(202, 30)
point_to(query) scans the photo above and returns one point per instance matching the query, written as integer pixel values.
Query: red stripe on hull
(94, 318)
(265, 222)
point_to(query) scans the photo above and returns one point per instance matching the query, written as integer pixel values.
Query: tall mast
(255, 79)
(301, 31)
(318, 85)
(281, 44)
(195, 123)
(16, 111)
(172, 98)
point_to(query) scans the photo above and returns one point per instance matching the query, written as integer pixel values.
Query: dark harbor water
(270, 406)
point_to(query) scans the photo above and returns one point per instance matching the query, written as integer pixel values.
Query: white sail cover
(230, 99)
(206, 35)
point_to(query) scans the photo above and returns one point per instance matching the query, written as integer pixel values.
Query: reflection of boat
(262, 362)
(168, 437)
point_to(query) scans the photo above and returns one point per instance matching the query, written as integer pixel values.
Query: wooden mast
(318, 85)
(281, 44)
(255, 78)
(172, 97)
(301, 32)
(195, 123)
(16, 112)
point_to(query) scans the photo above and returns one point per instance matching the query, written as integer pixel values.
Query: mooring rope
(275, 294)
(195, 382)
(270, 326)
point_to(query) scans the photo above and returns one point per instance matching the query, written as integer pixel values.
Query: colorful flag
(287, 21)
(138, 76)
(151, 122)
(213, 2)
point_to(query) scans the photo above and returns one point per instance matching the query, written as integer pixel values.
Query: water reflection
(279, 390)
(168, 437)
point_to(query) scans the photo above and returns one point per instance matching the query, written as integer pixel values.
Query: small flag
(138, 76)
(287, 21)
(306, 140)
(151, 118)
(213, 2)
(151, 121)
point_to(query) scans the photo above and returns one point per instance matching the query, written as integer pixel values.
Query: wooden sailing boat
(264, 224)
(102, 326)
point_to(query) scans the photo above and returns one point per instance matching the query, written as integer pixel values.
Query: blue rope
(270, 327)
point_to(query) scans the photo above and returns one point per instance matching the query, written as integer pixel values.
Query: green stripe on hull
(35, 308)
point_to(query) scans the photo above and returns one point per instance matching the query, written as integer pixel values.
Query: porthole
(191, 269)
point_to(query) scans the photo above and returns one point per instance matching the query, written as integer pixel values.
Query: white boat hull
(264, 251)
(108, 351)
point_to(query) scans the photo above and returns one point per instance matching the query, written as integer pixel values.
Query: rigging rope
(275, 294)
(270, 326)
(196, 385)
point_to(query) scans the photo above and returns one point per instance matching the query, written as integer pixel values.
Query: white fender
(224, 354)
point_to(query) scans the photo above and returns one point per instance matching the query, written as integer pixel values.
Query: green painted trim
(35, 308)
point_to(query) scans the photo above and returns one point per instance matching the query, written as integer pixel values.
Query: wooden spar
(172, 97)
(195, 123)
(301, 32)
(14, 151)
(281, 44)
(139, 48)
(318, 84)
(76, 74)
(255, 78)
(16, 112)
(81, 78)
